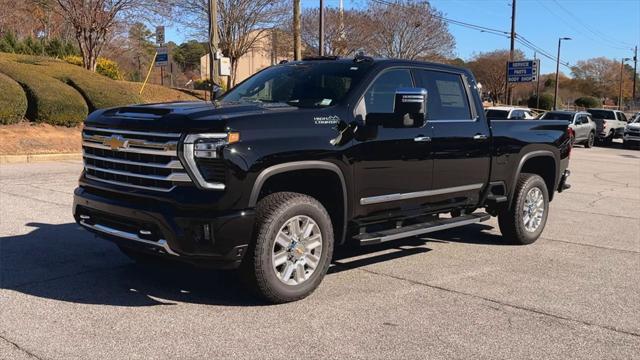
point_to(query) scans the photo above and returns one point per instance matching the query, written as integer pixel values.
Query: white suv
(509, 113)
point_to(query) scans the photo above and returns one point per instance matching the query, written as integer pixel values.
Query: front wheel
(524, 221)
(292, 248)
(590, 141)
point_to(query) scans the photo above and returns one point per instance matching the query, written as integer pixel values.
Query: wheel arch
(306, 169)
(539, 162)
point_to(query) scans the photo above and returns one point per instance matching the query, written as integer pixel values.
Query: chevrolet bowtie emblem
(116, 142)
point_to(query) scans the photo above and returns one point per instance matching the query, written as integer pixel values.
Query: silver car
(583, 126)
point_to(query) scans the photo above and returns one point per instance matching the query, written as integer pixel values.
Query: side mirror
(411, 106)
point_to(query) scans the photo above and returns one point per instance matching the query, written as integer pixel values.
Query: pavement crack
(35, 199)
(523, 308)
(591, 245)
(599, 214)
(44, 281)
(20, 348)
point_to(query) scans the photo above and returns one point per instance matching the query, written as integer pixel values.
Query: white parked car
(632, 133)
(509, 113)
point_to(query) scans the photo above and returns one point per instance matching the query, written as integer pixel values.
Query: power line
(523, 41)
(576, 29)
(596, 32)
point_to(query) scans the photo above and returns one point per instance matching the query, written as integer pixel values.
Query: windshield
(556, 116)
(602, 114)
(497, 114)
(318, 84)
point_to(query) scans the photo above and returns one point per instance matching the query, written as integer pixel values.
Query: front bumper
(205, 238)
(631, 138)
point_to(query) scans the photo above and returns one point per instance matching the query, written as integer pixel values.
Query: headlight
(203, 148)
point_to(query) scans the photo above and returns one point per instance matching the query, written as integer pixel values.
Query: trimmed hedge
(99, 91)
(50, 101)
(588, 102)
(59, 93)
(156, 93)
(13, 102)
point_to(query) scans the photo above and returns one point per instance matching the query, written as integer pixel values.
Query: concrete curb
(21, 159)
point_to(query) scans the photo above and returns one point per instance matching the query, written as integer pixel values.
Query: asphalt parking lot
(455, 294)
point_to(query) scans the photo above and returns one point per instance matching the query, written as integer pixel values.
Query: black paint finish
(373, 162)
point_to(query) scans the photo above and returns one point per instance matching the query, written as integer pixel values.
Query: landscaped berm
(40, 90)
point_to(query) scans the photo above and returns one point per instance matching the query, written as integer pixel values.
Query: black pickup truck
(308, 155)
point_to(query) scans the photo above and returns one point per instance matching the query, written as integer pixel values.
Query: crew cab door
(393, 161)
(461, 141)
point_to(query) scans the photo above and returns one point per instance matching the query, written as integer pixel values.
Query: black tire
(273, 212)
(511, 220)
(590, 140)
(609, 139)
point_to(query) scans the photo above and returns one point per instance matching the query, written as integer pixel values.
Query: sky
(609, 28)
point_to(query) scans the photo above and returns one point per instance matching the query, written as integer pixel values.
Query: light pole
(620, 94)
(555, 94)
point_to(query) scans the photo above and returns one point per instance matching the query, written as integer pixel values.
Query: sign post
(162, 59)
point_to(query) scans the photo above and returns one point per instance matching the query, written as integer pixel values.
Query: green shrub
(50, 101)
(546, 101)
(588, 102)
(13, 102)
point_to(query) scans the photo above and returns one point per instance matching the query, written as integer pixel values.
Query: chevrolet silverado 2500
(309, 155)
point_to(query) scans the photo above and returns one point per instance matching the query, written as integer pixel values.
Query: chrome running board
(420, 229)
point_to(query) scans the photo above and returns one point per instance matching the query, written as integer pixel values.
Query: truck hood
(180, 116)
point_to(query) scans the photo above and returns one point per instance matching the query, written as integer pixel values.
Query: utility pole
(297, 52)
(535, 53)
(555, 93)
(621, 79)
(635, 73)
(321, 30)
(213, 42)
(512, 47)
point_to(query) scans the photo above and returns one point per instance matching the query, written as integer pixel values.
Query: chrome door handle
(479, 137)
(422, 139)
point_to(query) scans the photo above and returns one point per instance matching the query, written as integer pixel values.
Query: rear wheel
(526, 218)
(590, 140)
(609, 139)
(292, 249)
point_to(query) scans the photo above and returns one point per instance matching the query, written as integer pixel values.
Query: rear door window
(447, 96)
(622, 117)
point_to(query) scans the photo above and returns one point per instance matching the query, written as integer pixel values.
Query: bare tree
(490, 70)
(93, 21)
(408, 29)
(241, 24)
(345, 34)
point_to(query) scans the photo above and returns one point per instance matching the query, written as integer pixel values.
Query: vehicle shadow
(64, 262)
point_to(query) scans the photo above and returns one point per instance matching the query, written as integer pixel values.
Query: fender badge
(326, 120)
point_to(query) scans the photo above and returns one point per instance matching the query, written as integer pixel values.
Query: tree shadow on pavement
(65, 262)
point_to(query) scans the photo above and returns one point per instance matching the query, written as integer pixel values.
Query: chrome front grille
(144, 160)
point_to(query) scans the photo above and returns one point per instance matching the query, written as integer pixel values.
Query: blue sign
(162, 56)
(523, 71)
